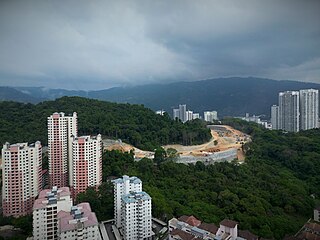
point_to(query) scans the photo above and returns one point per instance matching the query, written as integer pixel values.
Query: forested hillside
(233, 96)
(134, 124)
(270, 194)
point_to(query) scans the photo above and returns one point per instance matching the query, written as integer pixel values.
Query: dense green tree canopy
(134, 124)
(269, 194)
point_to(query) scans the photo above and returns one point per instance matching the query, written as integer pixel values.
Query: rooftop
(68, 220)
(210, 227)
(53, 194)
(228, 223)
(135, 196)
(125, 178)
(191, 220)
(183, 235)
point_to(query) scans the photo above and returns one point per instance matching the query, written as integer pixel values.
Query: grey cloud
(99, 44)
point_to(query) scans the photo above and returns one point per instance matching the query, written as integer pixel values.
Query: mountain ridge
(232, 96)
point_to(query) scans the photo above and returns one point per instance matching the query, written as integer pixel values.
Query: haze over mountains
(229, 96)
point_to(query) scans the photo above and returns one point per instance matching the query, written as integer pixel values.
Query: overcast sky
(100, 44)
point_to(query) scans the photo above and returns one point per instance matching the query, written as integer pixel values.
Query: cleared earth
(223, 138)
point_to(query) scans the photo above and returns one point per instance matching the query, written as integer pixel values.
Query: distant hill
(11, 94)
(229, 96)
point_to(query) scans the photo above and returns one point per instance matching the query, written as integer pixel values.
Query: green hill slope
(134, 124)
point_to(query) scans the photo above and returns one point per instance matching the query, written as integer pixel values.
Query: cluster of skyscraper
(186, 115)
(297, 110)
(74, 161)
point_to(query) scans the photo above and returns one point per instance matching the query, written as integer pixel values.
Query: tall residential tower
(289, 111)
(123, 186)
(309, 109)
(21, 177)
(61, 130)
(275, 117)
(87, 163)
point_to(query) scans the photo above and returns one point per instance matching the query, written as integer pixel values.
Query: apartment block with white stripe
(21, 177)
(87, 163)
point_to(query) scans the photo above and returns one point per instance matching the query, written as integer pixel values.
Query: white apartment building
(189, 115)
(309, 109)
(87, 163)
(195, 116)
(136, 222)
(78, 223)
(21, 177)
(210, 116)
(123, 186)
(45, 212)
(175, 113)
(61, 130)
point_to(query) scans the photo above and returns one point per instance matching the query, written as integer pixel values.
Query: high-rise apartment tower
(21, 177)
(275, 117)
(289, 111)
(87, 163)
(123, 186)
(61, 130)
(309, 109)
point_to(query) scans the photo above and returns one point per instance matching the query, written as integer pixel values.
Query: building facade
(189, 115)
(275, 117)
(175, 113)
(45, 212)
(289, 114)
(136, 216)
(78, 223)
(21, 177)
(87, 163)
(195, 116)
(183, 112)
(123, 186)
(61, 130)
(210, 116)
(309, 109)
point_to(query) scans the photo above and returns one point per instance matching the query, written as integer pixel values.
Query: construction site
(225, 145)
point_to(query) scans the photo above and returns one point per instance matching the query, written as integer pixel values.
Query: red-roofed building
(228, 229)
(186, 226)
(210, 227)
(178, 234)
(79, 223)
(191, 220)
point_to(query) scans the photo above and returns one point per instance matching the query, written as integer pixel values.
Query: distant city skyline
(94, 45)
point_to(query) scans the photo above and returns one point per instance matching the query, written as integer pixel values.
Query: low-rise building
(190, 228)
